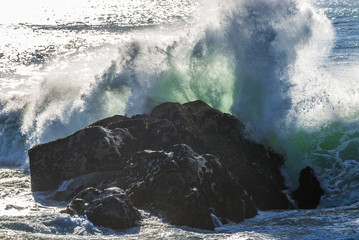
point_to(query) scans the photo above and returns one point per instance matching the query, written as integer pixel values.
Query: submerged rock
(108, 208)
(309, 191)
(185, 163)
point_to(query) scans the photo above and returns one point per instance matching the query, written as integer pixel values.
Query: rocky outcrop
(186, 188)
(309, 191)
(108, 208)
(189, 157)
(179, 185)
(207, 130)
(92, 149)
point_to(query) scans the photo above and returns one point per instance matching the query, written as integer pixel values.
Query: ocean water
(289, 69)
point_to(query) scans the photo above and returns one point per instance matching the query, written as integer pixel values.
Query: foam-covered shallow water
(288, 69)
(23, 218)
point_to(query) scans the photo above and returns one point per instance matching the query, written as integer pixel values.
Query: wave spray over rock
(184, 163)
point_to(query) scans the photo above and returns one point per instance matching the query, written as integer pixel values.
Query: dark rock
(108, 208)
(207, 130)
(134, 154)
(309, 191)
(186, 188)
(177, 184)
(101, 180)
(92, 149)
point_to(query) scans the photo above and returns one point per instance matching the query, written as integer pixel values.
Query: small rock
(309, 191)
(108, 208)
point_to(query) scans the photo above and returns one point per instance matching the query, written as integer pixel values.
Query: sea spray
(264, 61)
(243, 64)
(12, 142)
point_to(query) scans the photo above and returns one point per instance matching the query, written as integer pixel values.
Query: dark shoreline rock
(189, 157)
(309, 192)
(92, 149)
(110, 208)
(186, 188)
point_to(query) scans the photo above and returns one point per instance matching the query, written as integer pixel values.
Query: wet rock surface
(309, 191)
(108, 208)
(186, 188)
